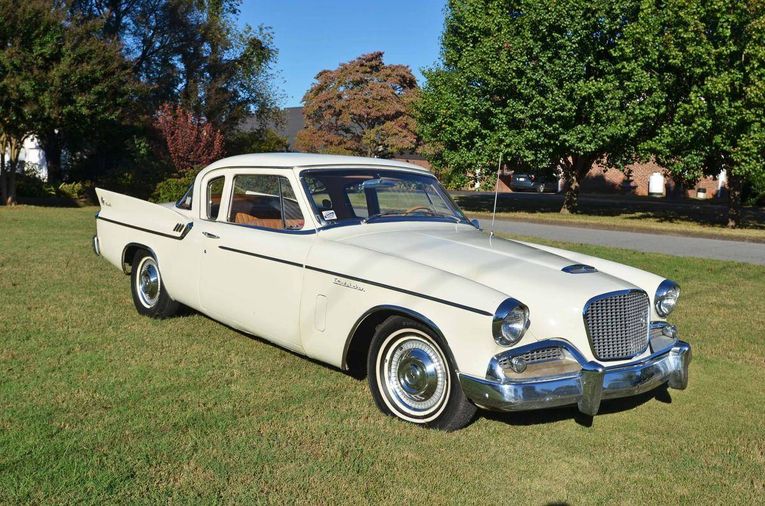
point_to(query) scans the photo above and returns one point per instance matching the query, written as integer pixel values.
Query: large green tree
(540, 84)
(363, 107)
(59, 80)
(711, 67)
(195, 53)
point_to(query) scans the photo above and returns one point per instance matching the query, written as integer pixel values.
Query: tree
(363, 107)
(712, 70)
(194, 53)
(540, 84)
(233, 77)
(58, 80)
(191, 141)
(188, 52)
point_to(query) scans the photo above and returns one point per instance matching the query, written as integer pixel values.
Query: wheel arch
(360, 337)
(129, 251)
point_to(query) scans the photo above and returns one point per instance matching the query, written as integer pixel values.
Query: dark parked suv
(533, 183)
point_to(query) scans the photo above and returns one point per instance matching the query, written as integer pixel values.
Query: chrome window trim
(323, 224)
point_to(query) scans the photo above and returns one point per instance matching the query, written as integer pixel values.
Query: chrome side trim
(185, 231)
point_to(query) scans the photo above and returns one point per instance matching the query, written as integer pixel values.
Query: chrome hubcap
(148, 282)
(415, 375)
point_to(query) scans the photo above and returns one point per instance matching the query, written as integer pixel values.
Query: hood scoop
(579, 269)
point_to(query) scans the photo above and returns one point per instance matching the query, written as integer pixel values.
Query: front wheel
(149, 294)
(411, 378)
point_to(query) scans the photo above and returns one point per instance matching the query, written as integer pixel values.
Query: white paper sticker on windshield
(329, 215)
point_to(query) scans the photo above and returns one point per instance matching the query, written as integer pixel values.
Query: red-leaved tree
(363, 107)
(191, 141)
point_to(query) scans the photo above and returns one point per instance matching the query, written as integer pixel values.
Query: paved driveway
(738, 251)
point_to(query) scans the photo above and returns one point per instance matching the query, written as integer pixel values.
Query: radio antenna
(496, 192)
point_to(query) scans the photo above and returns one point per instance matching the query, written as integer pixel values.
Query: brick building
(598, 180)
(601, 179)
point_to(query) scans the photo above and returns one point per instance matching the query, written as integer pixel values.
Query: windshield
(348, 196)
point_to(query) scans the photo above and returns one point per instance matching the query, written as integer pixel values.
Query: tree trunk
(3, 182)
(51, 144)
(9, 183)
(10, 199)
(734, 201)
(574, 171)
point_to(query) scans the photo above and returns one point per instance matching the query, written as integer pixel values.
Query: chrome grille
(543, 355)
(617, 324)
(535, 357)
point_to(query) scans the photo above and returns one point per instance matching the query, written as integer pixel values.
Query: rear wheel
(149, 294)
(411, 378)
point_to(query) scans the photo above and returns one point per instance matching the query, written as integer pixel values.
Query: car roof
(306, 160)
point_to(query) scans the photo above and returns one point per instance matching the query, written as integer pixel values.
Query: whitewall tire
(150, 296)
(411, 377)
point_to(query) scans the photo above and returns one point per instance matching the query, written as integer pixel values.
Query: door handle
(210, 236)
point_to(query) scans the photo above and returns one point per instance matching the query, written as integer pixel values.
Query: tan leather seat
(247, 219)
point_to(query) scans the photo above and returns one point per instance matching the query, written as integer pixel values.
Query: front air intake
(617, 324)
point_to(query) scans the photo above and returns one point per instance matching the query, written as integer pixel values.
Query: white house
(33, 156)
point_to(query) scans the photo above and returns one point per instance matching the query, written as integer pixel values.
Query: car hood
(505, 265)
(530, 274)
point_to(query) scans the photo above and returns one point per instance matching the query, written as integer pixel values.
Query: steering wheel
(415, 209)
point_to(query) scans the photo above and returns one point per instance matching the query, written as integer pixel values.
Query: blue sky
(316, 35)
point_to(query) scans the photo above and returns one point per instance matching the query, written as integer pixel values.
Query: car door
(254, 250)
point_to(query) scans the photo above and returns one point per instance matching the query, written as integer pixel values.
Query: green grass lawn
(98, 403)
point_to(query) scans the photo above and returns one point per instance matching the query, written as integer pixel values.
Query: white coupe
(368, 265)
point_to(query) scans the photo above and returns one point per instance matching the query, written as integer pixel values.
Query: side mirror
(476, 223)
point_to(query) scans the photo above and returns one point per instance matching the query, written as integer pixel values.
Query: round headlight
(666, 297)
(510, 322)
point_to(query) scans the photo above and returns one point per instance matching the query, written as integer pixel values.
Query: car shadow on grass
(551, 415)
(520, 418)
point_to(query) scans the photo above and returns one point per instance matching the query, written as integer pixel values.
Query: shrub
(78, 190)
(171, 189)
(31, 186)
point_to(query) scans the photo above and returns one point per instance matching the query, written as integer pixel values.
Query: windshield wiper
(376, 216)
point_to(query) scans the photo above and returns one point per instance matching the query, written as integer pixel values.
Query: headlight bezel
(666, 297)
(507, 309)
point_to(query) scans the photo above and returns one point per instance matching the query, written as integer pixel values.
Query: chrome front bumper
(585, 388)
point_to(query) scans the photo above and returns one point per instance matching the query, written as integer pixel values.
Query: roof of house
(291, 160)
(291, 123)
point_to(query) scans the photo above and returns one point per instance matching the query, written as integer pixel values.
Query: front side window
(213, 196)
(266, 201)
(356, 195)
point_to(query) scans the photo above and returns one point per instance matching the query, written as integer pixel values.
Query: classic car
(368, 265)
(533, 183)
